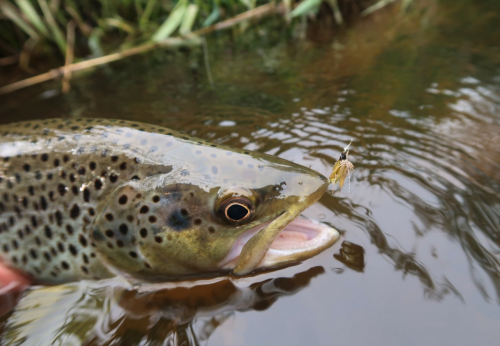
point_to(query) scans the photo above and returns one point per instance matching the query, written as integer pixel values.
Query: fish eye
(236, 210)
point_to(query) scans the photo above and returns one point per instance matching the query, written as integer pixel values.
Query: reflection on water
(110, 313)
(420, 97)
(352, 255)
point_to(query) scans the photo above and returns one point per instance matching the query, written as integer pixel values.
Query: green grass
(39, 27)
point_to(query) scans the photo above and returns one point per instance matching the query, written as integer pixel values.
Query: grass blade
(30, 12)
(337, 15)
(56, 32)
(188, 20)
(306, 7)
(11, 12)
(405, 4)
(376, 7)
(121, 24)
(212, 17)
(172, 22)
(147, 13)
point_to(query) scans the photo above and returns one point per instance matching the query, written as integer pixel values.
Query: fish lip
(318, 237)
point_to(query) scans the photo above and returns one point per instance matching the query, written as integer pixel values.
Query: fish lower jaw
(299, 240)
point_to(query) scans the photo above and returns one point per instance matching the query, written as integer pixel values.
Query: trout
(94, 198)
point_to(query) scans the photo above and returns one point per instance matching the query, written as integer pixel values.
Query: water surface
(418, 262)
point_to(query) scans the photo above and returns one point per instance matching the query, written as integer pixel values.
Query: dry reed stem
(58, 72)
(70, 54)
(9, 60)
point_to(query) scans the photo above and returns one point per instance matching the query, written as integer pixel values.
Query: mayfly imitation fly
(343, 168)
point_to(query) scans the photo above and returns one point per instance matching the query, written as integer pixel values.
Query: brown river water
(419, 258)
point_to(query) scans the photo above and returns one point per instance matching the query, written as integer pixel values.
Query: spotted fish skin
(89, 198)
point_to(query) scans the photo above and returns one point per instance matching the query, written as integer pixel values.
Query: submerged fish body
(93, 198)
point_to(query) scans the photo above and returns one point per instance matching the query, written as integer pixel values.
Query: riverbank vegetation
(38, 35)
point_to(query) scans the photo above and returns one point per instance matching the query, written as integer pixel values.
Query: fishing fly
(342, 169)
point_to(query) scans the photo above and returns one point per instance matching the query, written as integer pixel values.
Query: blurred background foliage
(37, 32)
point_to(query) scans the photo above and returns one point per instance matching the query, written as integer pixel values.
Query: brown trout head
(196, 222)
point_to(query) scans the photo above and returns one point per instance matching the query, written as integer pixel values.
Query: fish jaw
(297, 241)
(285, 239)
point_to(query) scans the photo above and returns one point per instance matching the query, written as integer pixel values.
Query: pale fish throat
(299, 240)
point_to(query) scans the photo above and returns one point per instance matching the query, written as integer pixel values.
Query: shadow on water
(110, 313)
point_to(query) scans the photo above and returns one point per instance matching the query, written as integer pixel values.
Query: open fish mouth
(299, 240)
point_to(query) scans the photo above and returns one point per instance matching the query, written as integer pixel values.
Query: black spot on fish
(86, 195)
(34, 222)
(158, 239)
(74, 211)
(73, 249)
(82, 240)
(109, 233)
(123, 229)
(26, 167)
(98, 184)
(113, 178)
(123, 199)
(65, 265)
(69, 229)
(123, 166)
(92, 166)
(43, 203)
(109, 217)
(143, 232)
(48, 232)
(62, 189)
(144, 209)
(59, 218)
(177, 221)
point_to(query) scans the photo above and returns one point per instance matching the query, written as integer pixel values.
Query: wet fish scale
(52, 187)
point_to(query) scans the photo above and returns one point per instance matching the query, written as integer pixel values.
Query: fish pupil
(237, 212)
